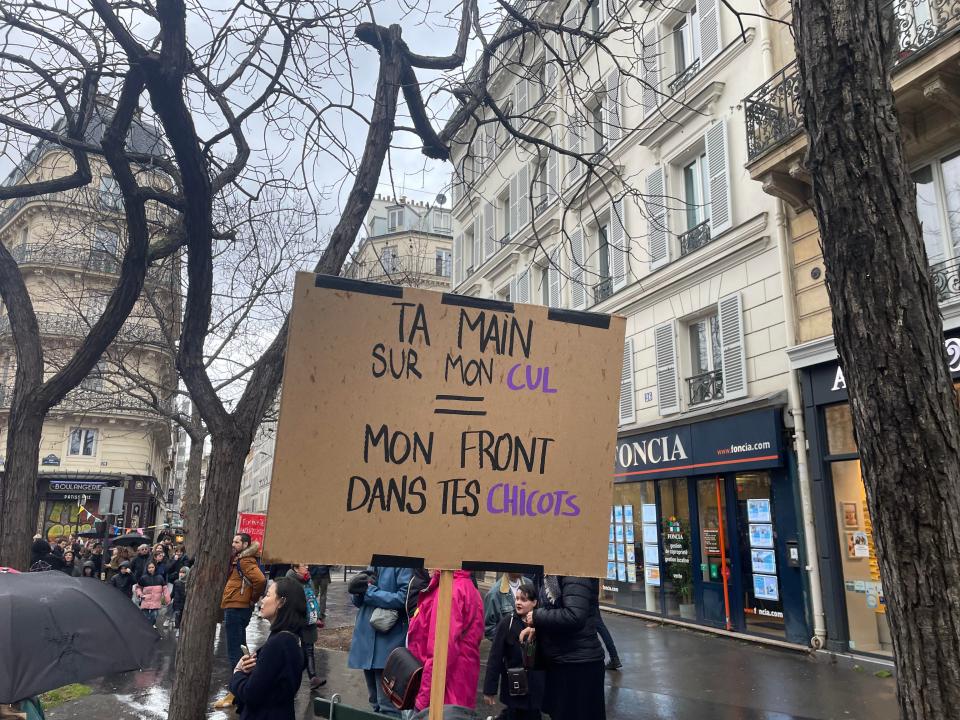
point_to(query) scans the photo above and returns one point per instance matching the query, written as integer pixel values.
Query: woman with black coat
(265, 683)
(507, 653)
(565, 627)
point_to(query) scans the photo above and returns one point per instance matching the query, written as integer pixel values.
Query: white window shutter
(617, 245)
(571, 19)
(709, 13)
(523, 287)
(514, 203)
(576, 145)
(455, 188)
(734, 362)
(550, 75)
(489, 230)
(650, 70)
(553, 279)
(513, 289)
(553, 174)
(665, 351)
(578, 292)
(523, 95)
(458, 259)
(627, 392)
(657, 220)
(721, 212)
(614, 129)
(477, 258)
(523, 202)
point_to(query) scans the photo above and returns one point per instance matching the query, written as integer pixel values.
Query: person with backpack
(308, 635)
(320, 580)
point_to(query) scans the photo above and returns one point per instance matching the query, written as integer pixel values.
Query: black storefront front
(853, 596)
(704, 527)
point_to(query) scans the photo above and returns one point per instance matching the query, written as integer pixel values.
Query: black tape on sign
(402, 561)
(335, 282)
(529, 570)
(578, 317)
(478, 303)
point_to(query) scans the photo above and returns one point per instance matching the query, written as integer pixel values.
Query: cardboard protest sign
(253, 524)
(446, 428)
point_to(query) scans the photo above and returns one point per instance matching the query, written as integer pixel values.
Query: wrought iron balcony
(685, 76)
(773, 111)
(695, 238)
(505, 240)
(85, 400)
(541, 207)
(946, 279)
(705, 388)
(86, 259)
(73, 325)
(602, 290)
(407, 269)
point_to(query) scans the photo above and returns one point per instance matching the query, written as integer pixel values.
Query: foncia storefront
(854, 601)
(703, 528)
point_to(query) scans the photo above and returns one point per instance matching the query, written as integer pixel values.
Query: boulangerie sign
(442, 427)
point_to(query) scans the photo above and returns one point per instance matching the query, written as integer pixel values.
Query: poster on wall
(851, 519)
(651, 575)
(758, 510)
(621, 553)
(651, 555)
(763, 561)
(611, 571)
(618, 513)
(857, 545)
(631, 553)
(622, 572)
(761, 535)
(650, 534)
(408, 418)
(628, 514)
(619, 533)
(765, 587)
(650, 514)
(628, 533)
(611, 551)
(631, 573)
(611, 534)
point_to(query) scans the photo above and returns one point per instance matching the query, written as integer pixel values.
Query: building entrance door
(713, 587)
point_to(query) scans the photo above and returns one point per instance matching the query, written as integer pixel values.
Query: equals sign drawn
(457, 411)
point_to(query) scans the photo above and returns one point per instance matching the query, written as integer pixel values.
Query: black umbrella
(56, 630)
(130, 540)
(89, 534)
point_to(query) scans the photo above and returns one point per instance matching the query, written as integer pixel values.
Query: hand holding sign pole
(433, 428)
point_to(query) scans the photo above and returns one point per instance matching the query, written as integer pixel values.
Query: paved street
(668, 673)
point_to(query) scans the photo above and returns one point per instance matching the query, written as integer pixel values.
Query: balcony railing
(87, 259)
(401, 270)
(685, 76)
(86, 197)
(773, 111)
(602, 290)
(695, 238)
(541, 208)
(946, 279)
(505, 240)
(85, 400)
(70, 325)
(705, 388)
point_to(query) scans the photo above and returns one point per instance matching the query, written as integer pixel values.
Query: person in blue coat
(386, 588)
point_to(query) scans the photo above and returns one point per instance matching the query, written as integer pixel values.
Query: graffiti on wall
(63, 517)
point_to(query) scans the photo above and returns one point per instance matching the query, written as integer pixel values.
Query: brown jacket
(243, 589)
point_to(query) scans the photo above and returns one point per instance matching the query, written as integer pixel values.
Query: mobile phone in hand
(244, 649)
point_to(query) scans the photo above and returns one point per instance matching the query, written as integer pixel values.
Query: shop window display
(633, 552)
(760, 570)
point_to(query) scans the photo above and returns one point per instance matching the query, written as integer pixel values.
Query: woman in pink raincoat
(466, 632)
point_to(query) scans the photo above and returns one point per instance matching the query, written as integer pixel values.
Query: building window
(388, 259)
(686, 41)
(83, 442)
(24, 236)
(444, 263)
(504, 293)
(540, 188)
(938, 204)
(394, 219)
(110, 196)
(603, 289)
(696, 205)
(503, 210)
(441, 221)
(596, 125)
(94, 379)
(595, 16)
(706, 359)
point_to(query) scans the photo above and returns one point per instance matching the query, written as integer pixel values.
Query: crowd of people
(155, 578)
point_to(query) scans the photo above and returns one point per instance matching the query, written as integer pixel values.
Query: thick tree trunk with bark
(191, 493)
(21, 502)
(889, 336)
(191, 687)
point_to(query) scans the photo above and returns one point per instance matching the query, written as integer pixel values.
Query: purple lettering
(510, 383)
(530, 498)
(549, 497)
(573, 508)
(490, 506)
(546, 382)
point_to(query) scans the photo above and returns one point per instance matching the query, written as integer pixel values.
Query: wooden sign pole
(441, 644)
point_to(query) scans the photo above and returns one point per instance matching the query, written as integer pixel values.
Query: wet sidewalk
(669, 674)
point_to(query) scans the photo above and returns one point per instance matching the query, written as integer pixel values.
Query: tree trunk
(21, 502)
(889, 335)
(191, 685)
(191, 494)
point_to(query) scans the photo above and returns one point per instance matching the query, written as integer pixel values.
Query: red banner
(253, 524)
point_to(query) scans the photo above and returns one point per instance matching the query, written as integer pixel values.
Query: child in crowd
(124, 580)
(180, 596)
(511, 664)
